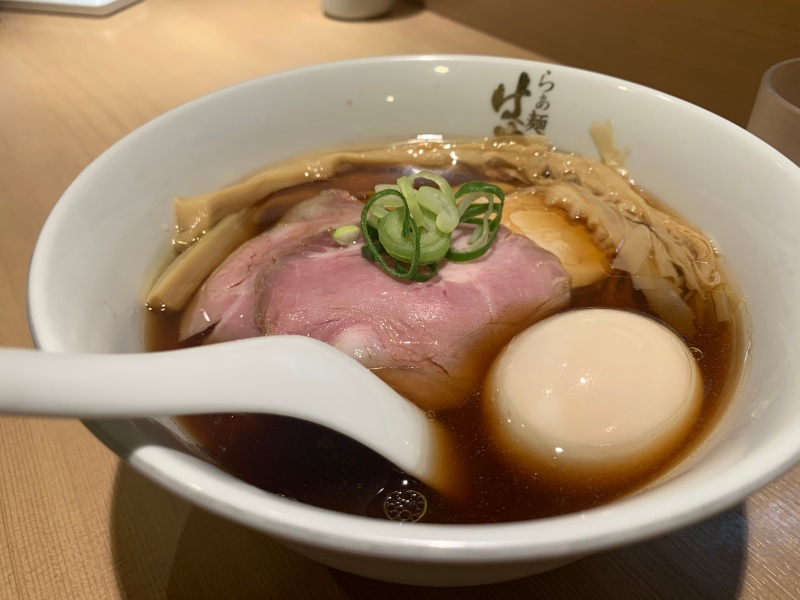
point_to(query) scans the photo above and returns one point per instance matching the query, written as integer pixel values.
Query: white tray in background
(81, 7)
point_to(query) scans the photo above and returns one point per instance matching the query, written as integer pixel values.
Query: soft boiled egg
(593, 391)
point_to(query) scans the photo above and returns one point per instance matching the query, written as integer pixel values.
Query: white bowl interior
(104, 239)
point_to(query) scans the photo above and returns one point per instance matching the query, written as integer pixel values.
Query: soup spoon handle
(283, 375)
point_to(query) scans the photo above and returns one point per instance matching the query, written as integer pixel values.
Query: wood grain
(74, 522)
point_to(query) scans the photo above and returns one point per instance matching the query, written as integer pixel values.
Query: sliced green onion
(402, 272)
(485, 215)
(441, 201)
(443, 208)
(414, 227)
(405, 185)
(433, 243)
(444, 186)
(384, 203)
(344, 236)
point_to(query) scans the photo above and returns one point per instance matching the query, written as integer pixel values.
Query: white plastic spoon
(282, 375)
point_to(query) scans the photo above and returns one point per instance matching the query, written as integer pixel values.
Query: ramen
(283, 252)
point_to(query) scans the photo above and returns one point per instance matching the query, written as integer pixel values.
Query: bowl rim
(550, 537)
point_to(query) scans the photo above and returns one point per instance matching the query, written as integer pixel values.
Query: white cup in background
(356, 10)
(776, 113)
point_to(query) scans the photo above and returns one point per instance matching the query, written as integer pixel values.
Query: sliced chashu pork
(431, 341)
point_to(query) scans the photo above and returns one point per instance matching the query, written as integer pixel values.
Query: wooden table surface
(77, 523)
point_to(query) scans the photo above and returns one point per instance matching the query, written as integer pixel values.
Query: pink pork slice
(433, 342)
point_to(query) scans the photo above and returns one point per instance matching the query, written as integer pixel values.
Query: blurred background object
(81, 7)
(356, 10)
(776, 112)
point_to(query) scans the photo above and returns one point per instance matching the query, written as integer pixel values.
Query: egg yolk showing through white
(596, 389)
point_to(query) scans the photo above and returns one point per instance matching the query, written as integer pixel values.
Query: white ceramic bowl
(111, 227)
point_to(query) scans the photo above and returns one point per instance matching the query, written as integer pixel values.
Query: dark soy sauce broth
(314, 465)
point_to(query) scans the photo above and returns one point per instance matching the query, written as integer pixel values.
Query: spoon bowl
(292, 376)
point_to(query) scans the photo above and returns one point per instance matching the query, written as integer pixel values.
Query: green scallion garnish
(415, 226)
(344, 236)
